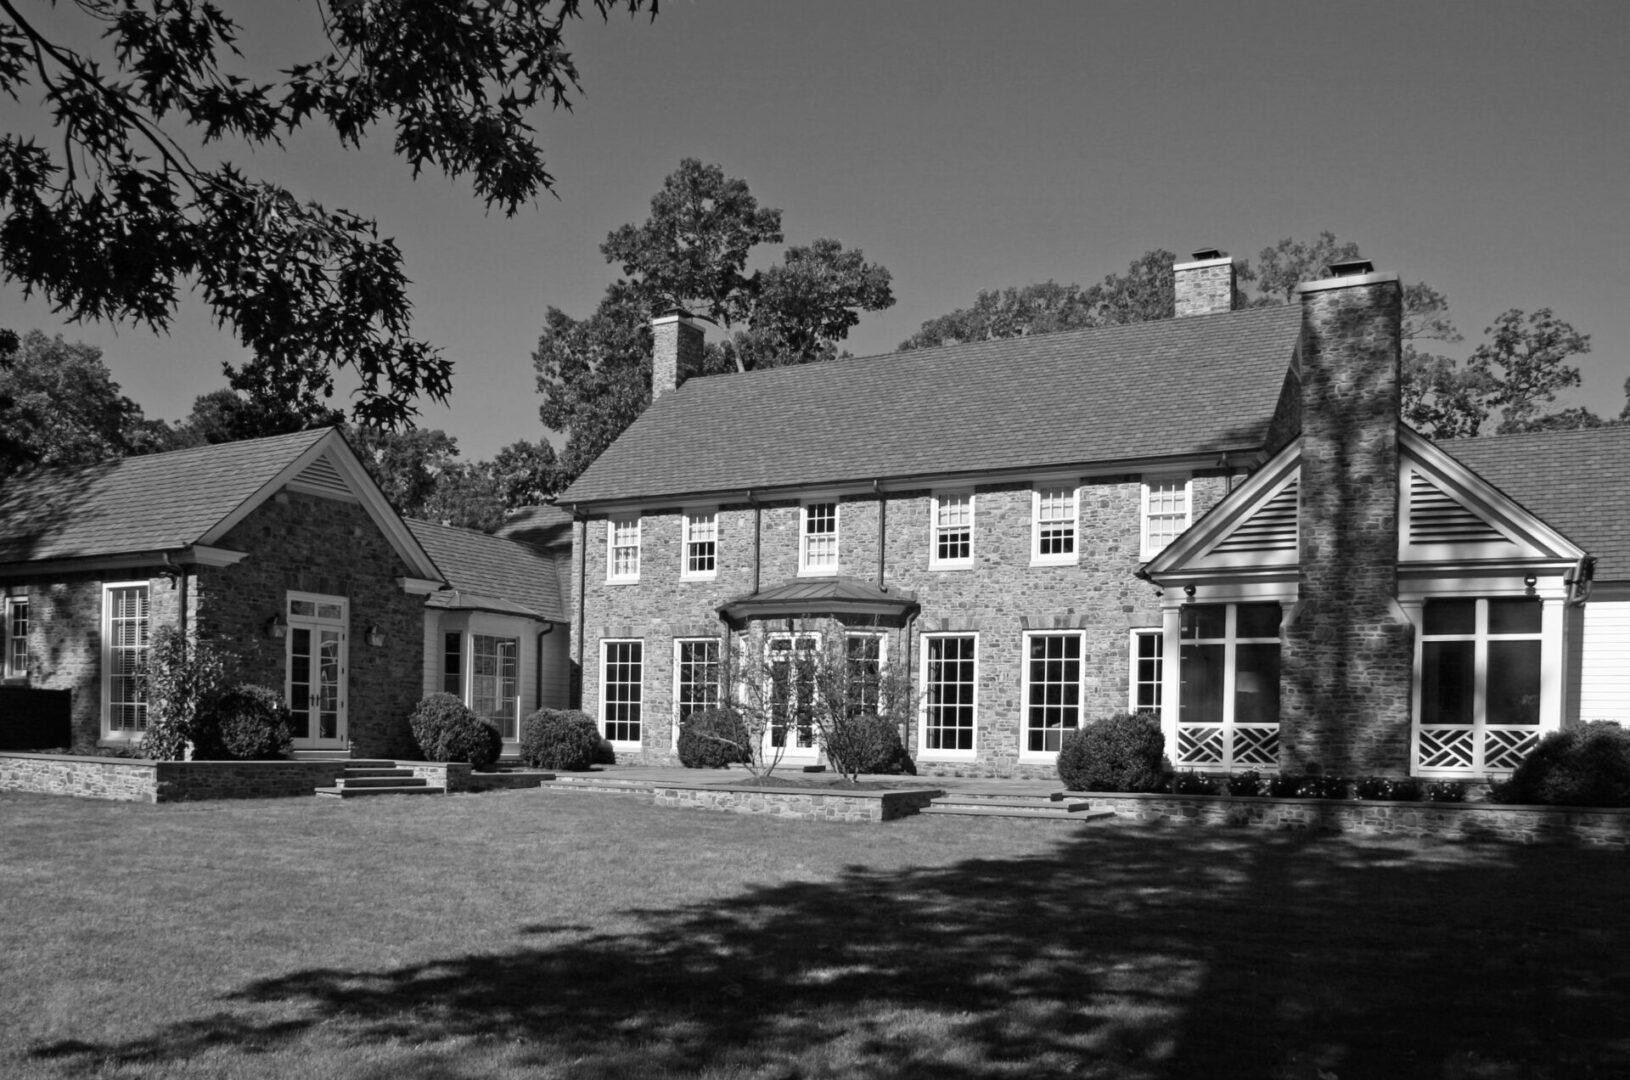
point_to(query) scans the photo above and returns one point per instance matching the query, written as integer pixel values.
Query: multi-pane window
(1480, 683)
(1228, 711)
(125, 640)
(696, 677)
(622, 690)
(818, 540)
(1148, 646)
(952, 540)
(1052, 690)
(863, 679)
(452, 664)
(701, 544)
(1054, 524)
(14, 665)
(623, 559)
(1165, 512)
(495, 682)
(792, 691)
(949, 684)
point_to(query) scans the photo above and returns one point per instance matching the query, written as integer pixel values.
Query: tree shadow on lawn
(1121, 951)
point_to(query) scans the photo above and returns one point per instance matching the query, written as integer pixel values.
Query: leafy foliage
(183, 678)
(246, 723)
(113, 223)
(1126, 752)
(1524, 360)
(867, 743)
(1189, 782)
(59, 405)
(562, 739)
(446, 730)
(1249, 782)
(713, 739)
(1588, 765)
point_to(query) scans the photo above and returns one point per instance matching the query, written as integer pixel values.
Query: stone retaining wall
(458, 777)
(799, 804)
(138, 780)
(1447, 821)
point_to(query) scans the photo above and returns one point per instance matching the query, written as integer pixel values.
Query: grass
(528, 934)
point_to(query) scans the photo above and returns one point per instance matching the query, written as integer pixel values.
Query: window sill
(947, 755)
(960, 564)
(833, 572)
(622, 581)
(1055, 560)
(699, 577)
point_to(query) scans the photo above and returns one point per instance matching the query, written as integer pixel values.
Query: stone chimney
(676, 352)
(1348, 650)
(1206, 285)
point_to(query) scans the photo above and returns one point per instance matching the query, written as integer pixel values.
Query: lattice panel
(1446, 748)
(1200, 745)
(1504, 749)
(1256, 745)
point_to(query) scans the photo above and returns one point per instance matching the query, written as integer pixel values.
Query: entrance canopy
(815, 597)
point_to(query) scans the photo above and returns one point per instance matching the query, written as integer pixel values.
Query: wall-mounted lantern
(376, 636)
(277, 626)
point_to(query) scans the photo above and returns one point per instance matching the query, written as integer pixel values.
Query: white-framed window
(14, 635)
(865, 655)
(696, 678)
(452, 663)
(792, 662)
(126, 638)
(1053, 525)
(1228, 704)
(949, 678)
(495, 682)
(623, 549)
(1166, 504)
(701, 545)
(1147, 669)
(950, 540)
(818, 538)
(1480, 684)
(622, 691)
(1054, 671)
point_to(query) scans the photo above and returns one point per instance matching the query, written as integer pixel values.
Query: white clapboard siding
(1604, 690)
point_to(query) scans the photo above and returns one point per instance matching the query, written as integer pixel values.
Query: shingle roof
(490, 573)
(1578, 482)
(822, 596)
(1201, 384)
(159, 502)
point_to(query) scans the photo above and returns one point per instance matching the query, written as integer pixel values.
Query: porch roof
(804, 597)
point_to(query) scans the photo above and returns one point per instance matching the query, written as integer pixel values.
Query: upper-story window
(1165, 512)
(14, 632)
(818, 539)
(701, 544)
(623, 556)
(1053, 524)
(951, 536)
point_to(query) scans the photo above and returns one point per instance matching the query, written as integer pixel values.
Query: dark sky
(1477, 146)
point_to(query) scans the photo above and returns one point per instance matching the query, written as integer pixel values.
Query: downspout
(909, 739)
(575, 692)
(537, 675)
(882, 531)
(1579, 580)
(758, 535)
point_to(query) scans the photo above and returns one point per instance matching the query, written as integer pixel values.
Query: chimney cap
(674, 312)
(1351, 268)
(1207, 253)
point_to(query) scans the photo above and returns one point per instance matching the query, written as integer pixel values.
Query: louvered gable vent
(1436, 518)
(1271, 528)
(321, 477)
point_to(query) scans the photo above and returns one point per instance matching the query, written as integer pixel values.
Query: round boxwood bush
(448, 731)
(1588, 765)
(561, 739)
(712, 739)
(1118, 753)
(246, 723)
(867, 743)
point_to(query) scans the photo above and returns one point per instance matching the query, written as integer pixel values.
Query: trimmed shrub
(713, 739)
(246, 723)
(1309, 786)
(1189, 782)
(1588, 765)
(1118, 753)
(867, 743)
(448, 731)
(1380, 788)
(1249, 782)
(561, 739)
(1444, 791)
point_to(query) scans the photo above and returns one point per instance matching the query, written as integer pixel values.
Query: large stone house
(1218, 517)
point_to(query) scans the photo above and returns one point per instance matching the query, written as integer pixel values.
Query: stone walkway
(963, 785)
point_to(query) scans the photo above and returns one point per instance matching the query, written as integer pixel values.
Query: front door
(317, 670)
(792, 735)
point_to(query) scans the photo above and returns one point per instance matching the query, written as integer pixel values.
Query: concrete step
(337, 792)
(598, 785)
(355, 773)
(404, 779)
(1053, 813)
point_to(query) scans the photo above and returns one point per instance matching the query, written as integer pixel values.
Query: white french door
(792, 736)
(317, 669)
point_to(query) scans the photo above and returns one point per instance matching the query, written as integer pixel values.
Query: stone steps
(379, 778)
(1044, 808)
(598, 785)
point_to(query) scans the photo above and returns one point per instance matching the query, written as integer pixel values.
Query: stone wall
(137, 780)
(999, 599)
(796, 805)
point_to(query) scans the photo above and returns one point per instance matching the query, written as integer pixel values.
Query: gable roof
(1576, 481)
(490, 573)
(160, 503)
(1197, 385)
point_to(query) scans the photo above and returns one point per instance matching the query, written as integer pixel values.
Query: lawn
(528, 934)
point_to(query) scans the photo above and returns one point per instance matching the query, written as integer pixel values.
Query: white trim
(313, 739)
(1025, 753)
(1227, 721)
(1148, 551)
(804, 569)
(686, 521)
(491, 634)
(1136, 633)
(788, 753)
(1073, 556)
(10, 672)
(612, 525)
(420, 586)
(631, 745)
(924, 753)
(934, 501)
(881, 636)
(718, 685)
(105, 656)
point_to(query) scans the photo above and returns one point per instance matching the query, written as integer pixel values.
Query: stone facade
(998, 599)
(1348, 647)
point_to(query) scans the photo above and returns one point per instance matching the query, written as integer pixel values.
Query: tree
(692, 252)
(225, 415)
(116, 217)
(407, 465)
(465, 495)
(525, 473)
(59, 405)
(1523, 359)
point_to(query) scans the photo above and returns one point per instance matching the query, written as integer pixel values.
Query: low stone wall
(138, 780)
(799, 804)
(1447, 821)
(458, 777)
